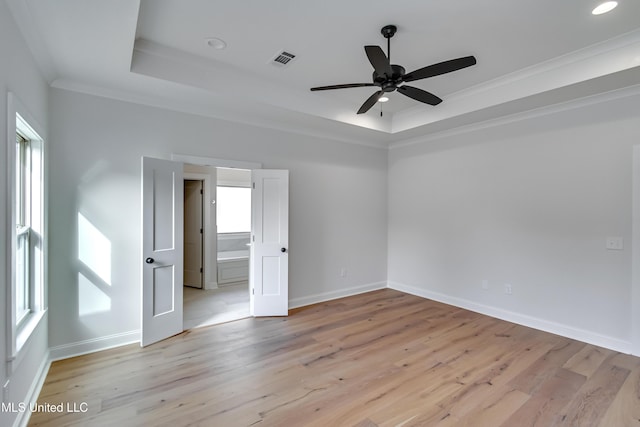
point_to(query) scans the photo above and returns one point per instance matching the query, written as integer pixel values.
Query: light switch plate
(615, 243)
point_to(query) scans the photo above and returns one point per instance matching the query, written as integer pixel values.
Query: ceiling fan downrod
(389, 31)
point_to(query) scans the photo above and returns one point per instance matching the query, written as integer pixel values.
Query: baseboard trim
(211, 285)
(103, 343)
(23, 417)
(331, 295)
(524, 320)
(79, 348)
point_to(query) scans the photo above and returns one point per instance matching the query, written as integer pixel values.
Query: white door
(193, 233)
(162, 249)
(269, 271)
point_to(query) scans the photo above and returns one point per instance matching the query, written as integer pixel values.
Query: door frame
(217, 163)
(635, 254)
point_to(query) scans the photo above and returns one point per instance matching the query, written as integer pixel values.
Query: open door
(162, 249)
(269, 258)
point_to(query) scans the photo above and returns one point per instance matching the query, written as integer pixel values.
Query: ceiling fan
(390, 77)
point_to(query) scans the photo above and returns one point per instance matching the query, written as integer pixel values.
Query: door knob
(283, 250)
(149, 260)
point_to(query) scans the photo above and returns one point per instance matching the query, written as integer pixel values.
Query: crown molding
(217, 110)
(520, 116)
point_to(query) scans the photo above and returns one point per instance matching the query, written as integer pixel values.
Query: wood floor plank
(593, 399)
(554, 394)
(532, 378)
(379, 359)
(366, 423)
(486, 381)
(588, 360)
(625, 409)
(495, 408)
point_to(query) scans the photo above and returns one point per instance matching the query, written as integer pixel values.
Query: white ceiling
(530, 53)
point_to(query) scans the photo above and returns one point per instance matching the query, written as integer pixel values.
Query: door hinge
(253, 291)
(201, 231)
(200, 269)
(253, 184)
(201, 191)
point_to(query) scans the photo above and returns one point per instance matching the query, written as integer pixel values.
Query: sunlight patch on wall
(94, 249)
(91, 299)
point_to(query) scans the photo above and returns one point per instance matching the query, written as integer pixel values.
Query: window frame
(33, 213)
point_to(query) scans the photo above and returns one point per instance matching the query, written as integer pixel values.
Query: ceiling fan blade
(419, 95)
(345, 86)
(440, 68)
(378, 60)
(370, 102)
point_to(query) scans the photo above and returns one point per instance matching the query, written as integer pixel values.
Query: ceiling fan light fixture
(605, 7)
(383, 99)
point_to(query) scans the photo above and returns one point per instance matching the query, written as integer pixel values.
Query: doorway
(228, 299)
(162, 241)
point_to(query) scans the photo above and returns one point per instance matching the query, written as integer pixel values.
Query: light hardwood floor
(210, 307)
(378, 359)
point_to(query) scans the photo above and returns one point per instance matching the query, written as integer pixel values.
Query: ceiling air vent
(283, 58)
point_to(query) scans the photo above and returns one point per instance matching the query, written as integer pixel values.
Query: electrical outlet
(485, 284)
(507, 289)
(343, 272)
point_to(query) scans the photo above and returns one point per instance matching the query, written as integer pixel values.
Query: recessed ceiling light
(216, 43)
(383, 99)
(605, 7)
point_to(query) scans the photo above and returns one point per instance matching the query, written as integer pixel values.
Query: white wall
(529, 204)
(18, 74)
(337, 206)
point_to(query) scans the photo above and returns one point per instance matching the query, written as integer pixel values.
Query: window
(27, 255)
(233, 209)
(22, 197)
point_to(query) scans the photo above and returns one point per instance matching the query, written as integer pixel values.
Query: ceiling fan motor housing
(389, 83)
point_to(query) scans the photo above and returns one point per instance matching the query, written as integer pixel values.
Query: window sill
(24, 333)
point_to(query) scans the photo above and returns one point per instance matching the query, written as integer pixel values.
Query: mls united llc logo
(68, 407)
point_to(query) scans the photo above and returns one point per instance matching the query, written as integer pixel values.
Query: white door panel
(269, 270)
(162, 249)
